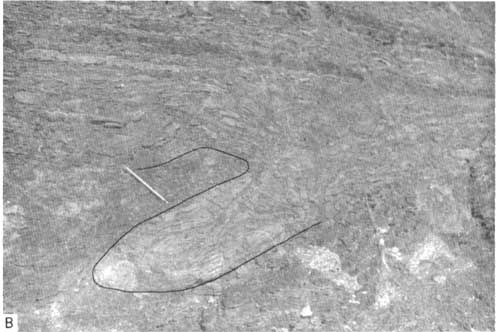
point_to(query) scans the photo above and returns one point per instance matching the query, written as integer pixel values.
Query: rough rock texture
(482, 193)
(374, 118)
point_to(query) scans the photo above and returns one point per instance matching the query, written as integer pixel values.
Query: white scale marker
(138, 178)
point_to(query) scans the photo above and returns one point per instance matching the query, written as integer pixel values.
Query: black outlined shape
(199, 282)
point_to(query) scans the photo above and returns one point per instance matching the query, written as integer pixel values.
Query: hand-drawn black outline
(206, 281)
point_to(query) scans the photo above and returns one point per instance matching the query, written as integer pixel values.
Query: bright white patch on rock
(386, 293)
(306, 311)
(432, 249)
(327, 262)
(440, 279)
(119, 274)
(343, 279)
(55, 315)
(319, 258)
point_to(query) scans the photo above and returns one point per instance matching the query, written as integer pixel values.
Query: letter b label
(9, 323)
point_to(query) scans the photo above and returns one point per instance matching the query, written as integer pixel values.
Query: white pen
(138, 178)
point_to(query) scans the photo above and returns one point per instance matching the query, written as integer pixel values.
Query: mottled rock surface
(374, 118)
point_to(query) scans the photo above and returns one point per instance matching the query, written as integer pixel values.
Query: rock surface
(376, 119)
